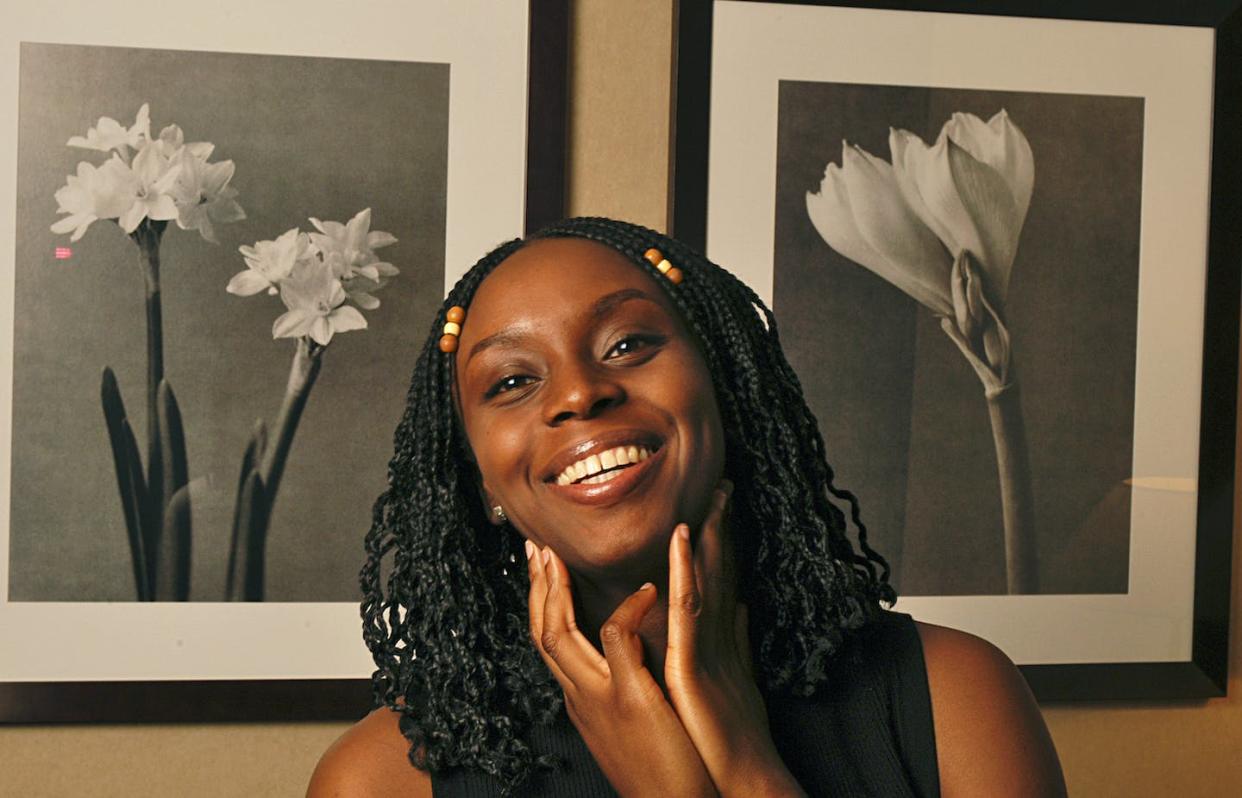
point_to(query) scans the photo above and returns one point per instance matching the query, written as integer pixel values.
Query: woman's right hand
(614, 702)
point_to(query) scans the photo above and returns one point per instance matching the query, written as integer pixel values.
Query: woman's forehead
(553, 277)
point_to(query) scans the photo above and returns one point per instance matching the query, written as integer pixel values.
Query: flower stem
(1017, 503)
(148, 240)
(302, 374)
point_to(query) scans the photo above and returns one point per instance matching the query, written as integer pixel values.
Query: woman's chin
(624, 556)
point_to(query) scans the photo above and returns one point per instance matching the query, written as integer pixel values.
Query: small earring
(498, 513)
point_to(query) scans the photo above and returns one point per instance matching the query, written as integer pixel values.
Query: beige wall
(619, 159)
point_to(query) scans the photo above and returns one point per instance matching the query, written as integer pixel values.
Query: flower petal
(205, 228)
(378, 238)
(133, 217)
(833, 217)
(161, 207)
(77, 223)
(1001, 145)
(216, 176)
(994, 214)
(925, 181)
(321, 330)
(914, 259)
(364, 300)
(833, 213)
(346, 318)
(293, 324)
(226, 211)
(247, 283)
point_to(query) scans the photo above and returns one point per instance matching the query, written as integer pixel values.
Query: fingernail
(646, 586)
(547, 556)
(683, 531)
(530, 549)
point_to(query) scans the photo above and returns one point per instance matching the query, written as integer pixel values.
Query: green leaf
(128, 466)
(253, 533)
(172, 439)
(173, 552)
(250, 464)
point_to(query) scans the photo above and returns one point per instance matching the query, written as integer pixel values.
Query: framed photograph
(1002, 243)
(225, 237)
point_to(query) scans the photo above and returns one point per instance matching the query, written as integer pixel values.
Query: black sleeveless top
(866, 732)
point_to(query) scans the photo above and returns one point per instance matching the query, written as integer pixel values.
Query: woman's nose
(581, 392)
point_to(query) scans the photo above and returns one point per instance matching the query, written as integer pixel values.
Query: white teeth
(604, 477)
(591, 466)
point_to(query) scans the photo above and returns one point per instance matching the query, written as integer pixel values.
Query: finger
(685, 603)
(536, 600)
(713, 556)
(538, 591)
(619, 635)
(561, 639)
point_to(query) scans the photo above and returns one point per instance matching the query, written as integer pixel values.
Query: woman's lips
(626, 481)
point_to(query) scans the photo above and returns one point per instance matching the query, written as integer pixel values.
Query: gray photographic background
(310, 137)
(903, 415)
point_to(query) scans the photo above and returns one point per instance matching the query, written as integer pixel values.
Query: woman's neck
(595, 602)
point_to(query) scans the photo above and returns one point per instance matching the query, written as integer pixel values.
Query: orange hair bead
(656, 258)
(452, 328)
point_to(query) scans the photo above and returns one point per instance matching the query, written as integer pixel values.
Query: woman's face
(571, 361)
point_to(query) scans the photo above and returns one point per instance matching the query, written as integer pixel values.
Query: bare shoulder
(368, 761)
(990, 736)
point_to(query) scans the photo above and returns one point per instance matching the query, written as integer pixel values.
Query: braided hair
(447, 626)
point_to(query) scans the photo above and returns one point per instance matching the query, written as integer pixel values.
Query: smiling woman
(693, 618)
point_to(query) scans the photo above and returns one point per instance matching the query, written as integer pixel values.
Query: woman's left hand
(708, 669)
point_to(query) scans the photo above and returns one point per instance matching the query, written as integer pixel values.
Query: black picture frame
(1204, 675)
(285, 700)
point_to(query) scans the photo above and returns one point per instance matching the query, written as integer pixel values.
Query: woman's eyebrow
(609, 302)
(507, 337)
(602, 307)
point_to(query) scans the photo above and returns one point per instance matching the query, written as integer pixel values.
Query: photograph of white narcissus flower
(956, 274)
(222, 261)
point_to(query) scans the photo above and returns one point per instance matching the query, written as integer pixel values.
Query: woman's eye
(506, 384)
(629, 346)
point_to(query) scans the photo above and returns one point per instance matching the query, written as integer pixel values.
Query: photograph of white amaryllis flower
(942, 223)
(956, 278)
(207, 159)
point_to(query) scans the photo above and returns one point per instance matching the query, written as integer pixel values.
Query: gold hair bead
(452, 328)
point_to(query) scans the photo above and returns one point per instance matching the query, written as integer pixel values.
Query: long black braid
(449, 634)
